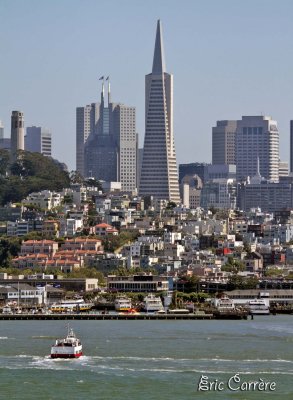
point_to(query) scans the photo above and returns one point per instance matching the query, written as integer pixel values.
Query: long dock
(115, 317)
(108, 317)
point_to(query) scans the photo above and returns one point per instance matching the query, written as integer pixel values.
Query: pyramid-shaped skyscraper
(159, 174)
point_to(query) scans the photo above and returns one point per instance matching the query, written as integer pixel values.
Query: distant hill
(31, 172)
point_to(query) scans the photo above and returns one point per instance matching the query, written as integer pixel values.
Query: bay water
(150, 360)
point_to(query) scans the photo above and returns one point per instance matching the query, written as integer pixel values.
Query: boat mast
(18, 295)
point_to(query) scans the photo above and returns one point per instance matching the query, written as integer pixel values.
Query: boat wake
(121, 366)
(44, 337)
(245, 360)
(137, 358)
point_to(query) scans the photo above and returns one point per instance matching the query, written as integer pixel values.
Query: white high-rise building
(257, 137)
(159, 174)
(38, 140)
(127, 146)
(17, 133)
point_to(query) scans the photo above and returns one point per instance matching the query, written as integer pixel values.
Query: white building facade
(257, 137)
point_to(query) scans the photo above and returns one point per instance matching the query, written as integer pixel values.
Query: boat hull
(66, 351)
(259, 312)
(122, 304)
(77, 355)
(152, 304)
(122, 309)
(152, 309)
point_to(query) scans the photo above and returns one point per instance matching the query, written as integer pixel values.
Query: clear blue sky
(229, 58)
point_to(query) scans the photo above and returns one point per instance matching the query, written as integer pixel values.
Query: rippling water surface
(144, 360)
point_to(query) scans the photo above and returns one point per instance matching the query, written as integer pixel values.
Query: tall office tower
(86, 122)
(17, 133)
(224, 142)
(110, 151)
(38, 140)
(257, 137)
(159, 174)
(1, 130)
(127, 143)
(291, 146)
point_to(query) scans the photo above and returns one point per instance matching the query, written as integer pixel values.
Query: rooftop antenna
(102, 93)
(109, 91)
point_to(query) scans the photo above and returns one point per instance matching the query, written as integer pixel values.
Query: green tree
(4, 161)
(240, 282)
(236, 282)
(191, 284)
(75, 177)
(113, 243)
(30, 173)
(93, 182)
(93, 217)
(171, 205)
(87, 273)
(9, 248)
(251, 283)
(273, 272)
(233, 265)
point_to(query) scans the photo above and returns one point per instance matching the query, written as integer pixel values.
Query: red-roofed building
(48, 247)
(104, 229)
(81, 243)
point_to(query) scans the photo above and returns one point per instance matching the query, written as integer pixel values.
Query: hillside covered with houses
(82, 227)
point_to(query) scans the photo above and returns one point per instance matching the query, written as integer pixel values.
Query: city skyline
(223, 69)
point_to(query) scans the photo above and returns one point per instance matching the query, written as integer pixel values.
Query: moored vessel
(224, 304)
(152, 303)
(258, 307)
(123, 303)
(70, 307)
(69, 347)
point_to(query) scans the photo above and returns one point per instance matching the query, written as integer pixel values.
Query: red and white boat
(69, 347)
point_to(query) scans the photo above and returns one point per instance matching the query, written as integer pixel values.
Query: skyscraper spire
(159, 175)
(159, 58)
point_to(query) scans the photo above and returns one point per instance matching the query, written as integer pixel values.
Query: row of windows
(253, 130)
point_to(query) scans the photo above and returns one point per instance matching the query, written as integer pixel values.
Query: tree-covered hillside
(31, 172)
